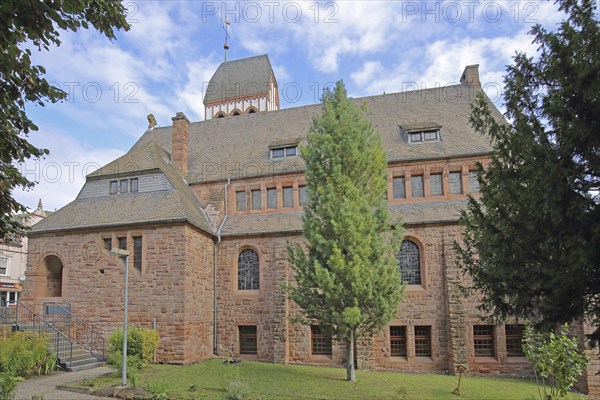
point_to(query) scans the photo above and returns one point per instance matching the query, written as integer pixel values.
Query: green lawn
(208, 380)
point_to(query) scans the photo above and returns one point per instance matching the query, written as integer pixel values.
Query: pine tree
(532, 241)
(348, 282)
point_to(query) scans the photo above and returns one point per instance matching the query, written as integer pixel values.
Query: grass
(208, 380)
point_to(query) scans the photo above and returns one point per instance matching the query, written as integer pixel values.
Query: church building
(206, 210)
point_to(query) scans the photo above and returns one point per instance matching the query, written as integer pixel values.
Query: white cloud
(61, 174)
(366, 73)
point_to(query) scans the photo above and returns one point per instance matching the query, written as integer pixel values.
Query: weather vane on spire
(226, 45)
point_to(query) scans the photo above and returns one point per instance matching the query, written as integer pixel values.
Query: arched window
(251, 110)
(220, 114)
(248, 270)
(236, 112)
(409, 259)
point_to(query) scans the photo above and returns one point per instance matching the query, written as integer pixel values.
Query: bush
(237, 390)
(141, 346)
(555, 359)
(8, 386)
(23, 354)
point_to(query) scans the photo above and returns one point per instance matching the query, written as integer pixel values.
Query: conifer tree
(348, 282)
(532, 241)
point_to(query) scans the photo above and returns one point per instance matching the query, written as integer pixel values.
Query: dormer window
(281, 152)
(424, 136)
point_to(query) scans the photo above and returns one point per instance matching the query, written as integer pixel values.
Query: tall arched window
(248, 276)
(409, 259)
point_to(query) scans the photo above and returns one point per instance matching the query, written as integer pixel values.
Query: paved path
(46, 385)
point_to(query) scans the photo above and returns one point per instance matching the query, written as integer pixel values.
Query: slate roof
(239, 77)
(415, 213)
(238, 146)
(178, 204)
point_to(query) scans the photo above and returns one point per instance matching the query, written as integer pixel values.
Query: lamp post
(125, 255)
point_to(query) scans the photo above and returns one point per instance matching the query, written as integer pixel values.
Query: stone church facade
(206, 210)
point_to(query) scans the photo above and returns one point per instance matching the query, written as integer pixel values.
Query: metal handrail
(78, 330)
(27, 320)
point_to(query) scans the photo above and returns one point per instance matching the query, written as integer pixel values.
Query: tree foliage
(532, 240)
(556, 360)
(37, 24)
(348, 282)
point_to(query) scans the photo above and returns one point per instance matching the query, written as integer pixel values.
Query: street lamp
(125, 255)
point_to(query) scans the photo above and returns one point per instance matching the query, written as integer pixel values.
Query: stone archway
(54, 271)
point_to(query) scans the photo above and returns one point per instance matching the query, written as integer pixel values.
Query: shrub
(555, 359)
(141, 346)
(8, 386)
(23, 354)
(237, 390)
(159, 390)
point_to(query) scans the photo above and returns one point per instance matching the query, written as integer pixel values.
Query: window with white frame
(284, 151)
(3, 265)
(430, 135)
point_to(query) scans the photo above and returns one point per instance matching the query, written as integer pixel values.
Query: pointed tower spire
(40, 207)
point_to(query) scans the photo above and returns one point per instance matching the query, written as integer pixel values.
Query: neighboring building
(207, 209)
(13, 259)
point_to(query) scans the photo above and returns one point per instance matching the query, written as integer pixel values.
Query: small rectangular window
(416, 183)
(134, 184)
(107, 243)
(430, 135)
(122, 243)
(291, 151)
(416, 137)
(248, 343)
(483, 340)
(454, 183)
(114, 187)
(320, 341)
(514, 340)
(137, 252)
(303, 195)
(423, 341)
(256, 200)
(3, 265)
(398, 341)
(288, 197)
(277, 153)
(399, 189)
(271, 198)
(240, 200)
(124, 185)
(435, 184)
(473, 182)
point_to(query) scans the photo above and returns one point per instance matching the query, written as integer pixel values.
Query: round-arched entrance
(54, 271)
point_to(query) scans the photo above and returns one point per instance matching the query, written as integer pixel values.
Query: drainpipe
(216, 252)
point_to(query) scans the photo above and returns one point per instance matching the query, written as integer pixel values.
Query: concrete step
(86, 366)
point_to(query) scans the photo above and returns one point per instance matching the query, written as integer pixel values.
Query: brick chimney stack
(179, 145)
(470, 76)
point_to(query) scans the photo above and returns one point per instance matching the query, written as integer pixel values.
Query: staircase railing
(81, 332)
(27, 320)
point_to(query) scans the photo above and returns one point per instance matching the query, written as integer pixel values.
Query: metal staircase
(76, 344)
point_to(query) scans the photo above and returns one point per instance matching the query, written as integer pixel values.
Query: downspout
(215, 255)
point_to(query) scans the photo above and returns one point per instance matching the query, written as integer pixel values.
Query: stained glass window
(409, 258)
(248, 270)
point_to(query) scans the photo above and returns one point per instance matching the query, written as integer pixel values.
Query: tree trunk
(350, 373)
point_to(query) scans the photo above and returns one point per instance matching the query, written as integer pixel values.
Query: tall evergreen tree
(348, 282)
(532, 240)
(35, 24)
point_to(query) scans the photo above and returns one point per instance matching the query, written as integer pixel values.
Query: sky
(164, 62)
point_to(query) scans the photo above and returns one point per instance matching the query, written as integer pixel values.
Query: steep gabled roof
(240, 77)
(239, 146)
(178, 204)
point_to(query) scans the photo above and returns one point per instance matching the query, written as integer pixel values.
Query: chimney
(179, 145)
(470, 76)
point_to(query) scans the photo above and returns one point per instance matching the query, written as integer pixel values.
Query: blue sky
(163, 63)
